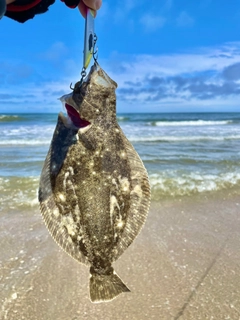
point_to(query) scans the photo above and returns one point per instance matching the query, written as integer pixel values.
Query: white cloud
(185, 79)
(196, 60)
(184, 20)
(197, 78)
(123, 9)
(152, 22)
(130, 4)
(56, 52)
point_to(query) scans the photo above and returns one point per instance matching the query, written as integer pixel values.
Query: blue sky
(165, 55)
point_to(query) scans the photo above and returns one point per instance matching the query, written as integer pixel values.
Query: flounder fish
(94, 191)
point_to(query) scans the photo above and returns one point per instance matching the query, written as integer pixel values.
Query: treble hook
(83, 72)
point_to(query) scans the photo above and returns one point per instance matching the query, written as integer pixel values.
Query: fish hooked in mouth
(75, 117)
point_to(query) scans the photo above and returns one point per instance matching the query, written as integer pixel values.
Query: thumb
(93, 4)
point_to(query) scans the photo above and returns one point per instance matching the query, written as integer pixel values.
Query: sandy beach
(184, 265)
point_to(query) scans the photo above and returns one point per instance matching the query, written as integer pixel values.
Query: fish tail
(106, 287)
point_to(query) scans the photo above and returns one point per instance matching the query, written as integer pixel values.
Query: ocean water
(184, 154)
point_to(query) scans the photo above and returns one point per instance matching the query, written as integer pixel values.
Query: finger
(93, 4)
(83, 9)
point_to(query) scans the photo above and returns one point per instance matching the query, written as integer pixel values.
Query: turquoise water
(184, 153)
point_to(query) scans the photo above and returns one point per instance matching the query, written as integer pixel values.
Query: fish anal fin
(54, 222)
(52, 216)
(139, 201)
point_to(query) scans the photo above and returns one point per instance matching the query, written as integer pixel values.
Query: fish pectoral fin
(92, 137)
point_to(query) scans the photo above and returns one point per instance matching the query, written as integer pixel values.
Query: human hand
(93, 4)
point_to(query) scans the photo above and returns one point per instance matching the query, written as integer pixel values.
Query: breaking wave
(192, 183)
(122, 118)
(24, 142)
(18, 192)
(183, 138)
(191, 123)
(10, 118)
(21, 192)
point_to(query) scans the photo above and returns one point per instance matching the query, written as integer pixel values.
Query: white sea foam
(192, 123)
(22, 192)
(122, 118)
(174, 150)
(187, 184)
(5, 116)
(19, 192)
(28, 131)
(133, 138)
(182, 138)
(24, 142)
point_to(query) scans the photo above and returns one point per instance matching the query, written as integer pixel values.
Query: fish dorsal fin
(139, 200)
(53, 219)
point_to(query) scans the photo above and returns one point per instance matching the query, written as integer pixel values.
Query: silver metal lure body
(89, 36)
(94, 191)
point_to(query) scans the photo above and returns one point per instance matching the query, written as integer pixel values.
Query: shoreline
(183, 265)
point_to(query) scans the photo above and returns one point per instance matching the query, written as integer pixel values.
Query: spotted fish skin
(94, 191)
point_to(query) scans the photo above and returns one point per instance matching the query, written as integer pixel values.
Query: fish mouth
(75, 117)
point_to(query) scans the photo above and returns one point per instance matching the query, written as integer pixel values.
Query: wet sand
(184, 265)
